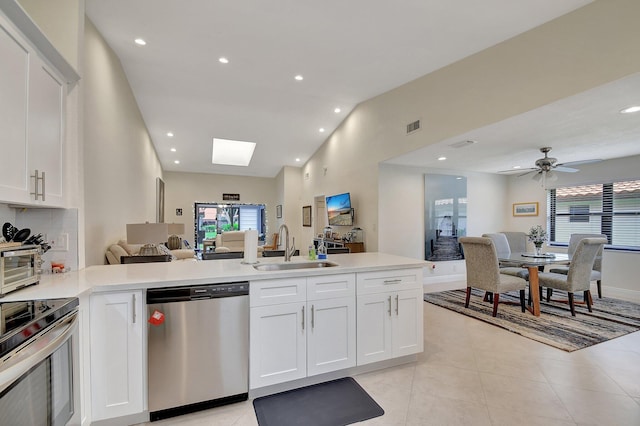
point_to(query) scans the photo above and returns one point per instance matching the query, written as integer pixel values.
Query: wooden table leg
(534, 288)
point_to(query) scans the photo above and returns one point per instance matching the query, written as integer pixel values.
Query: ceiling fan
(545, 167)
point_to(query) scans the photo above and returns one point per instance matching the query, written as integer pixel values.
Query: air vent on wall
(462, 144)
(413, 127)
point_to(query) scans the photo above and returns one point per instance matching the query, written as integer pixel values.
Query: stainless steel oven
(38, 362)
(19, 267)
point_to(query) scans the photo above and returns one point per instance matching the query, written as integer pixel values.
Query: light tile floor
(472, 373)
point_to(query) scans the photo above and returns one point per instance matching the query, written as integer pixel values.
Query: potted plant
(538, 236)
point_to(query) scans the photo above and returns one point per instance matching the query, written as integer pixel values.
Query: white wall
(120, 162)
(401, 206)
(182, 190)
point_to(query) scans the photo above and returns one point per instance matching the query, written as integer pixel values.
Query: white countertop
(165, 274)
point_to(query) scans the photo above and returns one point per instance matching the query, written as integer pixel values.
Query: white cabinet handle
(389, 282)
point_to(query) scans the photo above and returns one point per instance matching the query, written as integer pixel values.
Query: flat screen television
(339, 210)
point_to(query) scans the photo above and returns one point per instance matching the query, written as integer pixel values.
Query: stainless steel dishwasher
(198, 347)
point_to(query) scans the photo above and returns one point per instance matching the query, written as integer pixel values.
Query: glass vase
(538, 249)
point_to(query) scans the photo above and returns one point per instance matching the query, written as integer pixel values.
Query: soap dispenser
(322, 251)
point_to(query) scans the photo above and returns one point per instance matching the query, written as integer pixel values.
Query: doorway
(212, 219)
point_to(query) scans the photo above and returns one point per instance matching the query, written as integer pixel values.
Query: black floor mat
(335, 403)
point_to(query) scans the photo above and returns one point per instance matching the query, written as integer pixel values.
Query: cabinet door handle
(389, 311)
(43, 184)
(313, 317)
(389, 282)
(303, 317)
(397, 305)
(36, 185)
(133, 307)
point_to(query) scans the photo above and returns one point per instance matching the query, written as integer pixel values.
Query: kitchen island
(307, 325)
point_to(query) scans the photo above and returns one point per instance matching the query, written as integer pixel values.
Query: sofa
(231, 241)
(121, 248)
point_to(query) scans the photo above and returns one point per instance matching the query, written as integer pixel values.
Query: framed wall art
(525, 209)
(306, 216)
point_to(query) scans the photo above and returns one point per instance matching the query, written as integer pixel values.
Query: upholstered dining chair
(596, 272)
(483, 272)
(503, 249)
(517, 241)
(578, 277)
(274, 243)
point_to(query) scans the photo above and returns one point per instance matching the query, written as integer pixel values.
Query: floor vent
(413, 127)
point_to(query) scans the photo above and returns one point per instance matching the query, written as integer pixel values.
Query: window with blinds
(612, 209)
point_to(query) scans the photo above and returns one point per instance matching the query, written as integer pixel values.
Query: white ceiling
(582, 127)
(347, 51)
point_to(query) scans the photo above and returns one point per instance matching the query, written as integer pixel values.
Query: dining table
(533, 262)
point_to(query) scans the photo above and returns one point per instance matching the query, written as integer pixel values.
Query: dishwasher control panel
(196, 292)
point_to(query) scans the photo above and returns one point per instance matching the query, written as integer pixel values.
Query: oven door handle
(37, 350)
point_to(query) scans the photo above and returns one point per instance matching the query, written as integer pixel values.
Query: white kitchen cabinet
(331, 335)
(277, 344)
(307, 328)
(118, 362)
(32, 114)
(390, 320)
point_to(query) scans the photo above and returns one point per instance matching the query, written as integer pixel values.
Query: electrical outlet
(60, 243)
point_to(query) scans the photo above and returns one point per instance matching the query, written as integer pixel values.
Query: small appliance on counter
(19, 267)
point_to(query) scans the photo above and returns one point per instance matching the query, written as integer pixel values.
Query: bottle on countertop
(312, 252)
(322, 251)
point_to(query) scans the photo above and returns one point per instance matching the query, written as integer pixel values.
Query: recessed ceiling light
(299, 77)
(232, 153)
(170, 134)
(297, 160)
(173, 150)
(442, 158)
(321, 129)
(631, 109)
(140, 42)
(177, 161)
(223, 60)
(517, 167)
(337, 110)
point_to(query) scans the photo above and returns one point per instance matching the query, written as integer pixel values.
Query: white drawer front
(274, 292)
(331, 286)
(381, 281)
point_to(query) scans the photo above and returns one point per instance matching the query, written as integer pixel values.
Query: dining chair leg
(549, 293)
(599, 282)
(587, 299)
(496, 297)
(466, 302)
(522, 300)
(571, 305)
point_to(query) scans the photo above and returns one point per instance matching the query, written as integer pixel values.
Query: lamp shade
(176, 228)
(147, 233)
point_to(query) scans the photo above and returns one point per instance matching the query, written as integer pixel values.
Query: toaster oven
(19, 267)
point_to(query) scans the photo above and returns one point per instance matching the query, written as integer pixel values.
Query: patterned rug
(555, 326)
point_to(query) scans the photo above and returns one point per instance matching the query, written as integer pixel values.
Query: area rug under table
(335, 403)
(555, 326)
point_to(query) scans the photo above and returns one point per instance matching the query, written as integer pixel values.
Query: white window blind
(612, 209)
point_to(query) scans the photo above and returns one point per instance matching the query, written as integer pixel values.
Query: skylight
(232, 153)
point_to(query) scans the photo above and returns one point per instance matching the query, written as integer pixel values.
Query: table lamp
(148, 234)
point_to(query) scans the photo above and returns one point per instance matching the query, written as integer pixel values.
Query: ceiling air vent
(413, 127)
(462, 144)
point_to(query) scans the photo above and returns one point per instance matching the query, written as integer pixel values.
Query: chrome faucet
(287, 252)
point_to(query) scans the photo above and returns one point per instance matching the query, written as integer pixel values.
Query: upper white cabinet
(32, 116)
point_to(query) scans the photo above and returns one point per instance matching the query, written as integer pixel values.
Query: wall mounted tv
(339, 210)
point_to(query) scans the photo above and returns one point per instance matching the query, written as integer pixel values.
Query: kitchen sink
(296, 265)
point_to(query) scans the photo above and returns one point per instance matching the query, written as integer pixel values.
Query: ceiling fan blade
(577, 163)
(513, 171)
(529, 172)
(565, 169)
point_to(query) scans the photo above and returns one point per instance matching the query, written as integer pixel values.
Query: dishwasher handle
(199, 292)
